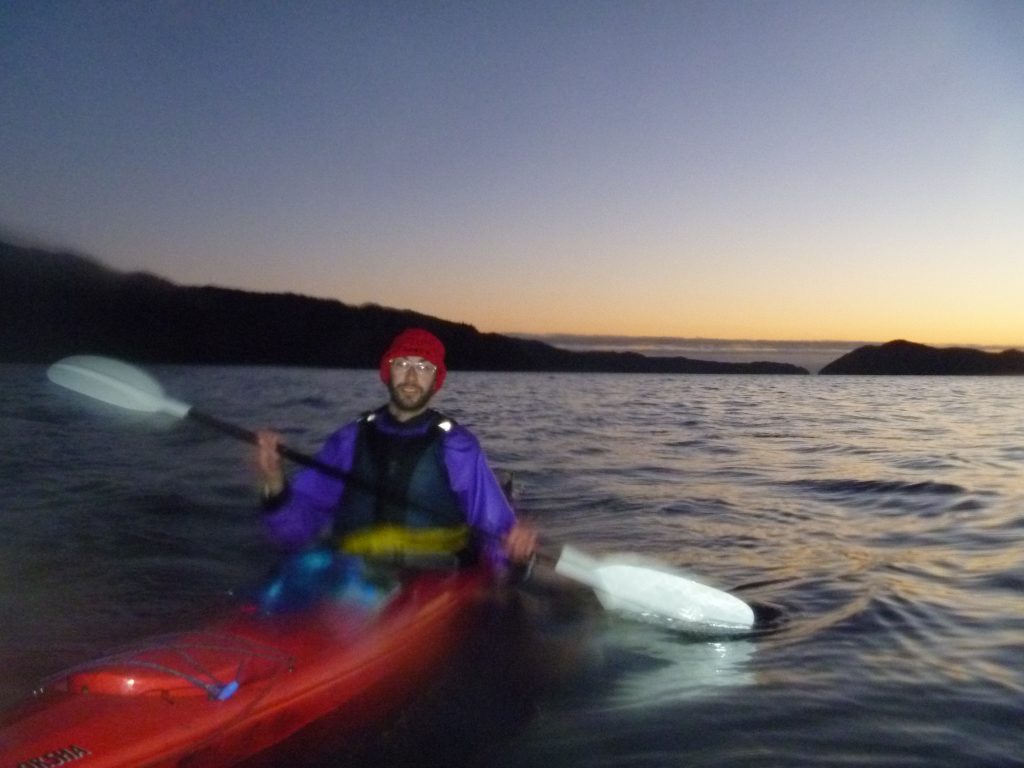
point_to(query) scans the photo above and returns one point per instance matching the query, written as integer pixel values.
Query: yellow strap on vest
(397, 539)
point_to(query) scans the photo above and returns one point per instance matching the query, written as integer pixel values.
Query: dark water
(874, 523)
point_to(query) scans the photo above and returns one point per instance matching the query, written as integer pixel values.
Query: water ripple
(873, 523)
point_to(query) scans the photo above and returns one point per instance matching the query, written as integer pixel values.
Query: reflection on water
(873, 523)
(654, 667)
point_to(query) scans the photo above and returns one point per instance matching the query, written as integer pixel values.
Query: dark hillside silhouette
(57, 304)
(909, 359)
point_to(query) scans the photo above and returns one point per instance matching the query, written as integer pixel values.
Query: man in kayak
(413, 483)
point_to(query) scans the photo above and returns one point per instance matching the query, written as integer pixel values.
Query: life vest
(398, 503)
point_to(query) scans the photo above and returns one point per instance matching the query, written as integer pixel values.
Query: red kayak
(255, 689)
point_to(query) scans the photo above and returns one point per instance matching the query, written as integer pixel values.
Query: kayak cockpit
(184, 665)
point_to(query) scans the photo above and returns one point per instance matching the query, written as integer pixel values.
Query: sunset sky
(734, 170)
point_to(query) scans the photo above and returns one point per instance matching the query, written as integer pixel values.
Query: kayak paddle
(118, 383)
(640, 588)
(654, 593)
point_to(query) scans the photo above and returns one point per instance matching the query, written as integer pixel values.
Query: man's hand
(520, 542)
(268, 462)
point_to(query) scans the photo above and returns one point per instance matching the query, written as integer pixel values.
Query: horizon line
(607, 341)
(736, 344)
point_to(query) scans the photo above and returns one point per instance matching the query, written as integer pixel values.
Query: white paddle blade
(114, 382)
(657, 595)
(672, 600)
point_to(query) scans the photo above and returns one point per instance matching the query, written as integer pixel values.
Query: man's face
(411, 386)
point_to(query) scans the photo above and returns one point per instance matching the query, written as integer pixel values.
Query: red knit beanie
(415, 342)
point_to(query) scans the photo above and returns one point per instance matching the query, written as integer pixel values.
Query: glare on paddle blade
(111, 381)
(654, 593)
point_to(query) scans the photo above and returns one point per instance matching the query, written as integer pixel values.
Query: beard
(409, 399)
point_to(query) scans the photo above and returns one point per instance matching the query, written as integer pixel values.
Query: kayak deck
(253, 687)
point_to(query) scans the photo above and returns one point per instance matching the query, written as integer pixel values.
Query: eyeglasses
(404, 365)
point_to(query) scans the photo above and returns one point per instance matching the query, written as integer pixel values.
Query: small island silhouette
(905, 358)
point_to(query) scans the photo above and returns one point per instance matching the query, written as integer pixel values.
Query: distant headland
(53, 304)
(905, 358)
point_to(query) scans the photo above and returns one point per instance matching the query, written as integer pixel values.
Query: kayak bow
(253, 686)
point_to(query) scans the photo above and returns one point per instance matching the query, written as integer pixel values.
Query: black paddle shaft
(250, 437)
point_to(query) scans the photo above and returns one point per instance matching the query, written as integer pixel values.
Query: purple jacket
(307, 510)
